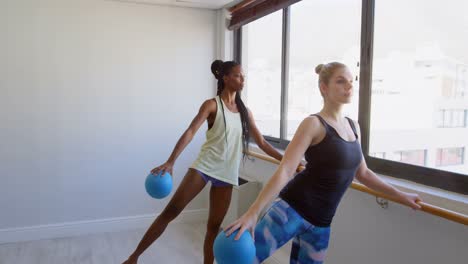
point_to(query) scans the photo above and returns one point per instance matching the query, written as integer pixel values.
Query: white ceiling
(209, 4)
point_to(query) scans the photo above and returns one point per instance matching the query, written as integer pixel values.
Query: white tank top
(221, 153)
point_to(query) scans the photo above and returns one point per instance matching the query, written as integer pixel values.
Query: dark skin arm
(260, 140)
(207, 112)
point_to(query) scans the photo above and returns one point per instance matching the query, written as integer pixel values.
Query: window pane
(321, 31)
(261, 60)
(451, 118)
(450, 156)
(419, 86)
(466, 119)
(380, 155)
(415, 157)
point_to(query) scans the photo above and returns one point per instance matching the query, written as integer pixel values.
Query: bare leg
(190, 186)
(220, 198)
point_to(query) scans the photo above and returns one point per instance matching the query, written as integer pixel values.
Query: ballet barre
(428, 208)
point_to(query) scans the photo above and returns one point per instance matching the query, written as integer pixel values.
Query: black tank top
(316, 191)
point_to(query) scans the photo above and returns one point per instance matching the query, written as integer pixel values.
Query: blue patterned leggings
(279, 225)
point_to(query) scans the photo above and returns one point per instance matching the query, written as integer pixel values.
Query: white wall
(365, 233)
(94, 94)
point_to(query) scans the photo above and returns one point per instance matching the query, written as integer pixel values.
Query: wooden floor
(181, 243)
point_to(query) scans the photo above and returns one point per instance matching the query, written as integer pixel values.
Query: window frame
(450, 181)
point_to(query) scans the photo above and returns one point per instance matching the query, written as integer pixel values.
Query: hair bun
(319, 68)
(216, 67)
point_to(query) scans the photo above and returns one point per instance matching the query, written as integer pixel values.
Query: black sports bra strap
(325, 124)
(351, 123)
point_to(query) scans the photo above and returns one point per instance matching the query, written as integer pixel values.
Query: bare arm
(260, 140)
(303, 137)
(206, 109)
(371, 180)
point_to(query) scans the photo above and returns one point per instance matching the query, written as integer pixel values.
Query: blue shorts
(282, 223)
(214, 182)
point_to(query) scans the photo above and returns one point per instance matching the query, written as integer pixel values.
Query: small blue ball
(158, 186)
(230, 251)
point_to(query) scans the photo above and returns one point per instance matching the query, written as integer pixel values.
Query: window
(450, 156)
(413, 79)
(262, 65)
(461, 78)
(452, 118)
(280, 53)
(466, 118)
(313, 42)
(415, 157)
(380, 155)
(424, 73)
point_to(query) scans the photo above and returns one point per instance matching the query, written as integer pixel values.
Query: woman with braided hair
(230, 126)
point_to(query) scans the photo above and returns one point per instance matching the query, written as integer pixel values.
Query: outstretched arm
(206, 109)
(371, 180)
(303, 137)
(260, 140)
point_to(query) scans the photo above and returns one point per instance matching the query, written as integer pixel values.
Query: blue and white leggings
(279, 225)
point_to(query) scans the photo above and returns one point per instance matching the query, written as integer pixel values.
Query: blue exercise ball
(158, 186)
(230, 251)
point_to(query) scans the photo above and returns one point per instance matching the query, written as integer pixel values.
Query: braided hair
(219, 70)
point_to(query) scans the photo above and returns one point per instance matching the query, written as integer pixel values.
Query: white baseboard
(78, 228)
